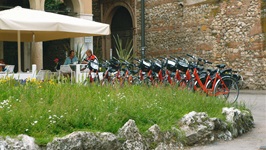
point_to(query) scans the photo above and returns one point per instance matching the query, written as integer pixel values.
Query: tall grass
(47, 109)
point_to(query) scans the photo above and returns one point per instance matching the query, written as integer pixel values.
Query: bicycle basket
(182, 65)
(145, 66)
(156, 67)
(171, 65)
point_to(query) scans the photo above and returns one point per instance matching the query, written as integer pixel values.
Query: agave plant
(126, 52)
(78, 52)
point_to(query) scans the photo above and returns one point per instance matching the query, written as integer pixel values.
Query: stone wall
(224, 32)
(228, 31)
(195, 128)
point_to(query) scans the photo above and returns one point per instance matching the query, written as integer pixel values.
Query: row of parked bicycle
(191, 73)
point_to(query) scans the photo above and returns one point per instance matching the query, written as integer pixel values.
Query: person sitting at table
(91, 57)
(71, 59)
(2, 65)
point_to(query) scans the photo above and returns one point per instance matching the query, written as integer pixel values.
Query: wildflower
(34, 122)
(27, 130)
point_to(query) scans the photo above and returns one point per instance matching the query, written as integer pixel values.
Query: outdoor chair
(9, 69)
(43, 75)
(66, 70)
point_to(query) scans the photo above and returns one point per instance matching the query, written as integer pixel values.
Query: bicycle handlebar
(205, 61)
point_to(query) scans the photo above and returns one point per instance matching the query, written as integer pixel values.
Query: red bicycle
(224, 87)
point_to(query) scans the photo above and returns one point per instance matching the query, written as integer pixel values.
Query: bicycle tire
(227, 89)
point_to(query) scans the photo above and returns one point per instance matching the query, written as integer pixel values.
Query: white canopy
(27, 25)
(45, 26)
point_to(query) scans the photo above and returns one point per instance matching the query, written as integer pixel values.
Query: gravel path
(256, 138)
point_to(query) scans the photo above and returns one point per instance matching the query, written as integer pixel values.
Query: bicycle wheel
(136, 81)
(227, 89)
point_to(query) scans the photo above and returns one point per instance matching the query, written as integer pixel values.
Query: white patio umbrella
(28, 25)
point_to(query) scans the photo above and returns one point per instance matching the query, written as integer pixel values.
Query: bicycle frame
(210, 91)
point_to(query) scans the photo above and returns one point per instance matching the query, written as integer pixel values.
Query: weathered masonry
(223, 31)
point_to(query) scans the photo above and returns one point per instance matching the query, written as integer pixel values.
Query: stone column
(84, 10)
(27, 54)
(37, 55)
(86, 41)
(37, 48)
(37, 4)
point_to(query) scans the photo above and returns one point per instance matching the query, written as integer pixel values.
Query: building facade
(230, 32)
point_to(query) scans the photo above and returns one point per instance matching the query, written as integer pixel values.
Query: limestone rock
(133, 139)
(198, 128)
(85, 140)
(240, 122)
(159, 140)
(20, 142)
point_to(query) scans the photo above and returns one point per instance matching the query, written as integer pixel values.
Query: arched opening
(10, 49)
(122, 26)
